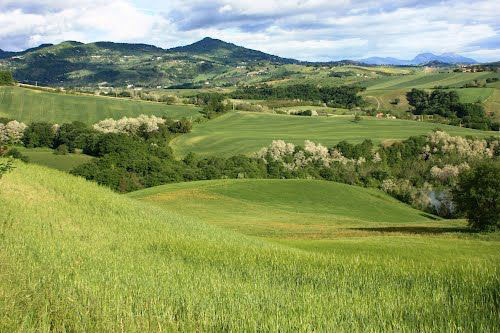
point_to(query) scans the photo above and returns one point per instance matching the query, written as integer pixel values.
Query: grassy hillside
(77, 257)
(244, 132)
(382, 91)
(30, 105)
(283, 208)
(46, 157)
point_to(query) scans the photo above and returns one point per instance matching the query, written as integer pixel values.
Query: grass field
(29, 105)
(423, 80)
(245, 132)
(381, 91)
(285, 208)
(46, 157)
(81, 258)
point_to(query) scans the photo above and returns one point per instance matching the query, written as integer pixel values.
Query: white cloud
(304, 29)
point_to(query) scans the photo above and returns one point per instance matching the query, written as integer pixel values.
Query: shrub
(476, 195)
(182, 126)
(16, 154)
(6, 78)
(61, 150)
(6, 166)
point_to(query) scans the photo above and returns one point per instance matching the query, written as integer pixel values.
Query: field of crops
(29, 105)
(82, 258)
(245, 132)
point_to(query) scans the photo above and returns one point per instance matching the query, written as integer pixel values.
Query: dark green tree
(39, 134)
(477, 195)
(6, 78)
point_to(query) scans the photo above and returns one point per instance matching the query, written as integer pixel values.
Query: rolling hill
(284, 208)
(82, 258)
(73, 63)
(29, 105)
(246, 132)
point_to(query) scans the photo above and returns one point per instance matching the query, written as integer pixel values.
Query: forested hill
(75, 63)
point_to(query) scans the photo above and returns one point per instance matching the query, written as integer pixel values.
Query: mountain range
(73, 63)
(421, 59)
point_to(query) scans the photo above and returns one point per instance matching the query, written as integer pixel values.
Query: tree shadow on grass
(418, 230)
(431, 217)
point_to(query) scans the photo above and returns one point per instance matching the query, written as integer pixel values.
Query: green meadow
(30, 105)
(382, 91)
(245, 132)
(81, 258)
(46, 157)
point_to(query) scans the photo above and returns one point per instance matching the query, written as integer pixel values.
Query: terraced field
(245, 132)
(29, 105)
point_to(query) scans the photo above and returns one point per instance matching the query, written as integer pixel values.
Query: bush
(5, 167)
(477, 196)
(61, 150)
(6, 78)
(182, 126)
(16, 154)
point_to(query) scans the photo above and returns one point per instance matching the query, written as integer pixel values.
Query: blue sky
(316, 30)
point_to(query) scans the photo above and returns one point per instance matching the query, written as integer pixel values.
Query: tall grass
(77, 257)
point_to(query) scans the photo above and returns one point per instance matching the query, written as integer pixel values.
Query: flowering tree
(129, 125)
(12, 132)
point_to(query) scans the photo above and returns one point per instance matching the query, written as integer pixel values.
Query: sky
(312, 30)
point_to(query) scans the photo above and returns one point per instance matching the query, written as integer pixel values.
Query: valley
(212, 187)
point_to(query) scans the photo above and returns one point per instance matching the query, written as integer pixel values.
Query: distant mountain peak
(227, 52)
(421, 59)
(205, 45)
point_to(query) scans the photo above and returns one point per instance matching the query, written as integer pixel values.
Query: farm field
(382, 91)
(29, 105)
(106, 262)
(46, 157)
(245, 132)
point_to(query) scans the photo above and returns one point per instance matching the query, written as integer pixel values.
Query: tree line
(447, 104)
(342, 96)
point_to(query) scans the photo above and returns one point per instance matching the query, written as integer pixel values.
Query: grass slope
(77, 257)
(382, 91)
(46, 157)
(244, 132)
(31, 105)
(283, 208)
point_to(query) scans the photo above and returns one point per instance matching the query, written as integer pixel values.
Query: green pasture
(46, 157)
(30, 105)
(246, 132)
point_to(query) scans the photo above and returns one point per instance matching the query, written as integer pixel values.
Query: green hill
(245, 132)
(229, 53)
(30, 105)
(77, 257)
(73, 63)
(283, 208)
